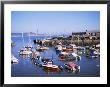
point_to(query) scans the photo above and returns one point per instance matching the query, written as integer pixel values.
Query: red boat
(63, 58)
(67, 50)
(68, 56)
(51, 68)
(72, 66)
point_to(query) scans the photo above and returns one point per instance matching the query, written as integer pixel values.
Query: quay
(78, 38)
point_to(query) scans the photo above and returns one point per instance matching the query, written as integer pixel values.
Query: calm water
(26, 67)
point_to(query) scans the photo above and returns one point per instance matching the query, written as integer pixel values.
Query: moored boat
(41, 48)
(13, 59)
(69, 56)
(58, 48)
(95, 54)
(46, 60)
(72, 66)
(28, 46)
(48, 66)
(24, 51)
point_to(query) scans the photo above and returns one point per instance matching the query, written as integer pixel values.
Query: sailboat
(29, 45)
(24, 51)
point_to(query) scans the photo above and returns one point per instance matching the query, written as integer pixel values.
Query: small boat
(28, 46)
(76, 56)
(24, 51)
(70, 48)
(67, 50)
(79, 52)
(73, 46)
(13, 59)
(72, 66)
(46, 60)
(58, 48)
(51, 68)
(42, 48)
(69, 56)
(95, 54)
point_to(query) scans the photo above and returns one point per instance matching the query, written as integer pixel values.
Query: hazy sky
(54, 21)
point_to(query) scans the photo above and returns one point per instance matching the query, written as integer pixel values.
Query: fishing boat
(73, 46)
(67, 49)
(24, 51)
(51, 68)
(72, 66)
(46, 60)
(58, 48)
(41, 48)
(92, 52)
(28, 46)
(13, 59)
(70, 48)
(44, 48)
(69, 56)
(95, 54)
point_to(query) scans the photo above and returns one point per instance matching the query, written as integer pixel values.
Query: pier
(78, 38)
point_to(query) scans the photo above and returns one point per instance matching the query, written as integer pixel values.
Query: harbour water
(89, 67)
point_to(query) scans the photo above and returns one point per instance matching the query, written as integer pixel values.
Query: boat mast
(37, 29)
(37, 33)
(29, 38)
(22, 38)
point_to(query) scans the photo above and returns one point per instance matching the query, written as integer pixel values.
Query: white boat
(64, 53)
(51, 68)
(73, 46)
(95, 54)
(28, 46)
(69, 56)
(24, 51)
(76, 56)
(41, 48)
(58, 47)
(13, 59)
(72, 66)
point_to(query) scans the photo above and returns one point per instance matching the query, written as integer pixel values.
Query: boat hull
(51, 69)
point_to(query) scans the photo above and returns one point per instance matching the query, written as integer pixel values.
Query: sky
(53, 22)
